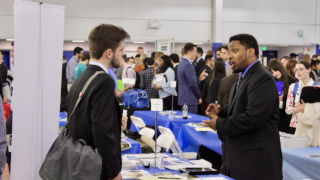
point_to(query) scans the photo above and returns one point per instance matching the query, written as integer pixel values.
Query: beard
(115, 63)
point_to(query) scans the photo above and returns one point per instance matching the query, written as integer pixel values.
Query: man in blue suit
(189, 91)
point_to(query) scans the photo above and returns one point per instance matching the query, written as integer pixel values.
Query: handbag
(136, 98)
(70, 159)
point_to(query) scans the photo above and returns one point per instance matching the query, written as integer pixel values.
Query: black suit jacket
(97, 119)
(199, 66)
(250, 124)
(225, 87)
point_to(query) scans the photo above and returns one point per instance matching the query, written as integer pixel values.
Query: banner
(165, 45)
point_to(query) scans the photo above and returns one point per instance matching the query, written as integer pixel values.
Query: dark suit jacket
(212, 89)
(188, 84)
(250, 124)
(199, 67)
(64, 89)
(97, 119)
(225, 86)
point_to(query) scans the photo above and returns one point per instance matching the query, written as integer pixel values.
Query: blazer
(212, 89)
(97, 119)
(250, 124)
(189, 92)
(225, 86)
(199, 67)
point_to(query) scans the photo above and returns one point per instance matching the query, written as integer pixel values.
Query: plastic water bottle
(185, 111)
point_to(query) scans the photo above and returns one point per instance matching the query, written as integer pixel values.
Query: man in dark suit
(250, 121)
(189, 91)
(199, 62)
(97, 119)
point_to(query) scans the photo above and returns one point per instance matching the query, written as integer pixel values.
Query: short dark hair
(207, 58)
(248, 41)
(149, 61)
(77, 50)
(64, 57)
(293, 55)
(200, 50)
(105, 36)
(12, 43)
(152, 54)
(188, 47)
(306, 64)
(314, 62)
(127, 59)
(174, 57)
(137, 56)
(222, 47)
(85, 56)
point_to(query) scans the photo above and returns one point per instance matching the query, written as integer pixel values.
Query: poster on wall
(165, 45)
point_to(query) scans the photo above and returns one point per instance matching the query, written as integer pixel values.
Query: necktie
(238, 82)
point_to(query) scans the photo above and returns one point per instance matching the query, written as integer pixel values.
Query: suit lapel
(243, 83)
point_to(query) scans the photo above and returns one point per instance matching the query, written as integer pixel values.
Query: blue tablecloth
(189, 140)
(163, 120)
(135, 147)
(298, 163)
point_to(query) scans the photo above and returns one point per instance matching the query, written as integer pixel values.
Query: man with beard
(97, 118)
(250, 120)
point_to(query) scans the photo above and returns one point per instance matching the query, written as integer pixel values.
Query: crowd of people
(242, 98)
(207, 86)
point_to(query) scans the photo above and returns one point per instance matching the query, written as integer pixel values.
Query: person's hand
(200, 101)
(203, 75)
(212, 123)
(212, 110)
(118, 93)
(118, 177)
(124, 121)
(156, 86)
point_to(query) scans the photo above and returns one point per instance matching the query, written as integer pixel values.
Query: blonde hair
(158, 55)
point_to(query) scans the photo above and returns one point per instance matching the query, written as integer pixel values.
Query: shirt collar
(199, 59)
(247, 69)
(100, 65)
(188, 59)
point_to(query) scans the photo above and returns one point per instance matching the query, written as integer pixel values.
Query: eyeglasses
(299, 69)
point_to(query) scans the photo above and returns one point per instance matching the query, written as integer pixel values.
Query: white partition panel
(38, 31)
(52, 30)
(26, 119)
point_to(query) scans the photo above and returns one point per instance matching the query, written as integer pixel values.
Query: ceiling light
(77, 41)
(138, 42)
(9, 39)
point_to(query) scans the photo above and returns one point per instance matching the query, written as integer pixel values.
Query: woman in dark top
(212, 84)
(279, 73)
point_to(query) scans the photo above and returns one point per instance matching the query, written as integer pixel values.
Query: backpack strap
(86, 85)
